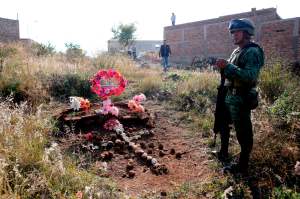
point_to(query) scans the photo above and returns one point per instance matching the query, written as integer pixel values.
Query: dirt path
(189, 167)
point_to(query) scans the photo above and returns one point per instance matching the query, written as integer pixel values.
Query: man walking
(165, 52)
(240, 74)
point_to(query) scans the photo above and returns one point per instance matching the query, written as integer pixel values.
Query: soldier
(240, 74)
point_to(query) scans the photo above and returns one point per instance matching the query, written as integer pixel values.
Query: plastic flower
(114, 111)
(79, 195)
(85, 104)
(75, 102)
(88, 136)
(135, 107)
(107, 83)
(139, 98)
(112, 124)
(108, 107)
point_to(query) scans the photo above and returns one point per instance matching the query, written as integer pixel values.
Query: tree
(43, 49)
(74, 51)
(124, 33)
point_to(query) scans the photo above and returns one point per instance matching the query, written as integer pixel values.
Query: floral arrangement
(85, 104)
(78, 102)
(135, 104)
(108, 107)
(107, 83)
(112, 124)
(88, 136)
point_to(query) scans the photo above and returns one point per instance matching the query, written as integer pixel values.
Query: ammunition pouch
(250, 97)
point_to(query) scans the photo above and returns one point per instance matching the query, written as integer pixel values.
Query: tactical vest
(235, 59)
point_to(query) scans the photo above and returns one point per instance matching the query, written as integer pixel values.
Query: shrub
(285, 193)
(63, 86)
(273, 81)
(43, 49)
(74, 51)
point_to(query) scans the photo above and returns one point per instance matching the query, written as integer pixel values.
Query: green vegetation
(124, 33)
(43, 49)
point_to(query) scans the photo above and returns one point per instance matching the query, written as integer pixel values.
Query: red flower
(88, 136)
(105, 91)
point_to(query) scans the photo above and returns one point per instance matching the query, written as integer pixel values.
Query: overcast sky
(89, 22)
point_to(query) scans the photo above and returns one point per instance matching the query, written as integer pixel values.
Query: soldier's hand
(221, 63)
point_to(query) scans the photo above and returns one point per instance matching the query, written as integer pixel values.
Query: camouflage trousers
(240, 116)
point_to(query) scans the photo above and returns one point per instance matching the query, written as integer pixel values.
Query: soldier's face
(238, 37)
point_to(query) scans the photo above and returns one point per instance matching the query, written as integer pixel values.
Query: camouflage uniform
(241, 77)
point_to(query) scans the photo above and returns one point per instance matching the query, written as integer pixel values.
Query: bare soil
(170, 143)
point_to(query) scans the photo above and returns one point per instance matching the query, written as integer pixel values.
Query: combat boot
(221, 156)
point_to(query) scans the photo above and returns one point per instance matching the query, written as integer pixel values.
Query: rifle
(220, 112)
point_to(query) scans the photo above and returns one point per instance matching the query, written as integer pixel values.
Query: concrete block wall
(9, 30)
(280, 39)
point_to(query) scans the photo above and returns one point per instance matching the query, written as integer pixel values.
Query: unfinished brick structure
(9, 30)
(210, 37)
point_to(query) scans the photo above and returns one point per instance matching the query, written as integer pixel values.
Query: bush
(13, 90)
(285, 193)
(43, 49)
(273, 81)
(74, 51)
(63, 86)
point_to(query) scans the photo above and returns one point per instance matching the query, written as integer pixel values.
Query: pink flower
(135, 106)
(114, 111)
(111, 124)
(106, 103)
(139, 98)
(79, 195)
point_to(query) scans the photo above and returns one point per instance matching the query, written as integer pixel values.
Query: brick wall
(211, 37)
(281, 39)
(9, 30)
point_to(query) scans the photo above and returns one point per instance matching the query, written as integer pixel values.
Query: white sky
(89, 22)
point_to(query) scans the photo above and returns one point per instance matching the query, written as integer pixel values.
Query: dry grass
(197, 82)
(30, 168)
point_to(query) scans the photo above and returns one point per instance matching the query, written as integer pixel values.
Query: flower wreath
(107, 83)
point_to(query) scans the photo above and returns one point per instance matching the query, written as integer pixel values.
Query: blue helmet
(241, 24)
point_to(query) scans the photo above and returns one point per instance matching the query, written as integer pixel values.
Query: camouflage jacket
(244, 66)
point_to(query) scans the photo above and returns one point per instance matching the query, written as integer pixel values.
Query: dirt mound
(151, 154)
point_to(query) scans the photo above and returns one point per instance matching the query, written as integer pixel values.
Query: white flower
(75, 103)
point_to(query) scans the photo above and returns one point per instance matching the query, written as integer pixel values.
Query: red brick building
(279, 37)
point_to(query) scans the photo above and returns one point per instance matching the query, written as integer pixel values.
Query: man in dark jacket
(165, 52)
(241, 72)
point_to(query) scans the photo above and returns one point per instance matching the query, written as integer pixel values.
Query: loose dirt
(174, 146)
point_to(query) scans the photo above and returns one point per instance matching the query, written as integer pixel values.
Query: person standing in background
(165, 52)
(173, 19)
